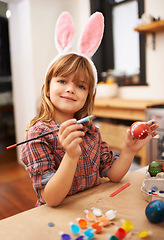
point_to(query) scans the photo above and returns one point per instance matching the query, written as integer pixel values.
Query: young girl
(73, 158)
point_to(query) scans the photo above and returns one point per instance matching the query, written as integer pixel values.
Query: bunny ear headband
(89, 41)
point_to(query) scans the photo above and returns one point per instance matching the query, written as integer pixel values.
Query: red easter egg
(163, 167)
(139, 130)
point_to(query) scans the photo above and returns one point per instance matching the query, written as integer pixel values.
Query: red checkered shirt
(43, 156)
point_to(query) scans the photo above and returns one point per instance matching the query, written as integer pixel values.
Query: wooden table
(129, 204)
(124, 109)
(119, 108)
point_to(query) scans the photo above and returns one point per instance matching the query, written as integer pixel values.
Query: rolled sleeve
(104, 173)
(107, 158)
(44, 180)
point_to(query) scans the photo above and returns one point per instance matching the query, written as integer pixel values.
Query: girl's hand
(135, 144)
(70, 136)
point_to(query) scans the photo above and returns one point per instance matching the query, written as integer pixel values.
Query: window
(122, 52)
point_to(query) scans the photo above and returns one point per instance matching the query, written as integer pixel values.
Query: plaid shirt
(43, 156)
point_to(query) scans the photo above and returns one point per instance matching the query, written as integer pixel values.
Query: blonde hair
(63, 67)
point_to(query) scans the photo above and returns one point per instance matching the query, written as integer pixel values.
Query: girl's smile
(68, 98)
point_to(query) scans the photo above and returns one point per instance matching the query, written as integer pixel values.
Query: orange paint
(97, 227)
(82, 223)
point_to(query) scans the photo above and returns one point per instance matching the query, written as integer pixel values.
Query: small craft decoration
(155, 211)
(154, 168)
(139, 130)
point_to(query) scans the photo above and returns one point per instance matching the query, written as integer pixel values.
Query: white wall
(22, 66)
(31, 28)
(154, 61)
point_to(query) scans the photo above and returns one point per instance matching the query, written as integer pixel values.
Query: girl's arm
(123, 163)
(59, 185)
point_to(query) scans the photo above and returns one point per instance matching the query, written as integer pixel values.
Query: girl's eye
(82, 87)
(62, 81)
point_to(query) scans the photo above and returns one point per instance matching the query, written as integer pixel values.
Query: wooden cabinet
(121, 109)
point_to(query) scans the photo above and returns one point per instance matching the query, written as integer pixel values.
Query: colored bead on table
(51, 224)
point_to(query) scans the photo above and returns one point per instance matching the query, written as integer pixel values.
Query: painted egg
(154, 168)
(139, 130)
(155, 211)
(163, 167)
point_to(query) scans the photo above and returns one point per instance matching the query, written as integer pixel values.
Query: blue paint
(89, 233)
(80, 238)
(75, 228)
(65, 237)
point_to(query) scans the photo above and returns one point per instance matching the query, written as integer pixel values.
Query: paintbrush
(86, 119)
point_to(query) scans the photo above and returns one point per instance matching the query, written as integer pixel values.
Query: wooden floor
(16, 191)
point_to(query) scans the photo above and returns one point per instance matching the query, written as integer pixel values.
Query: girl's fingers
(129, 135)
(71, 129)
(73, 137)
(70, 134)
(154, 127)
(65, 124)
(151, 122)
(155, 133)
(73, 145)
(69, 126)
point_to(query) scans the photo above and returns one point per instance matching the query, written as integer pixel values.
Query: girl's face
(67, 96)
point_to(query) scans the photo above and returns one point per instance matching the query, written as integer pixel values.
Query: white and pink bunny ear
(88, 43)
(92, 35)
(64, 33)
